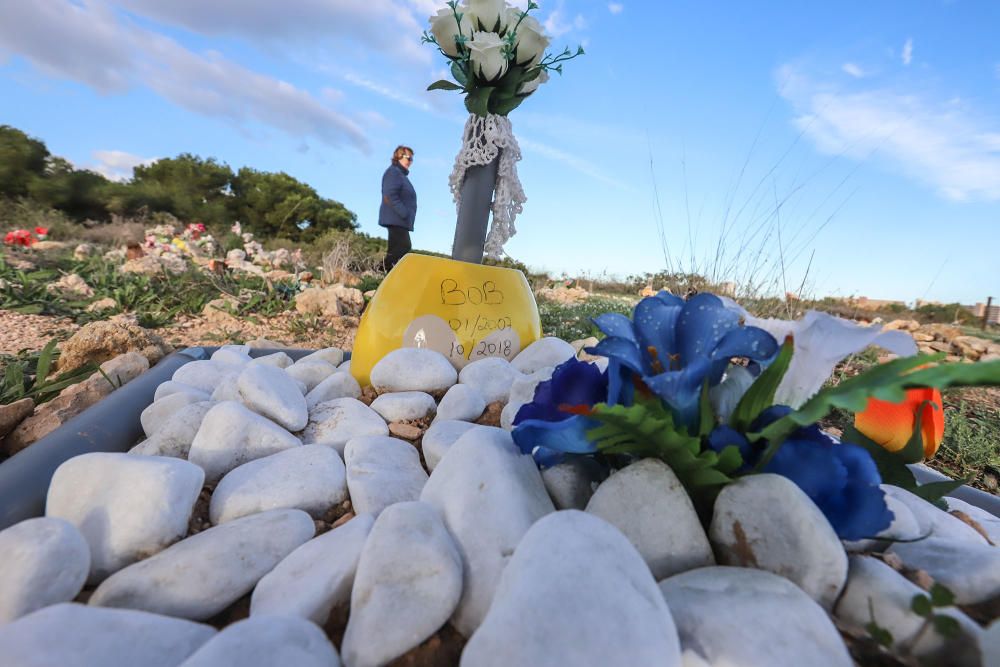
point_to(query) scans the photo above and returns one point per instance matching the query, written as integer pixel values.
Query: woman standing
(399, 205)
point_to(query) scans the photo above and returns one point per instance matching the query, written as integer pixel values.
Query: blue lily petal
(546, 458)
(703, 322)
(568, 436)
(840, 478)
(573, 382)
(615, 325)
(625, 351)
(655, 325)
(749, 342)
(620, 387)
(669, 299)
(681, 389)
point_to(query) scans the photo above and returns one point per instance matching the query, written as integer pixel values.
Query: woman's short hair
(400, 152)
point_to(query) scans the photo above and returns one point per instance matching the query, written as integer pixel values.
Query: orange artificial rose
(891, 424)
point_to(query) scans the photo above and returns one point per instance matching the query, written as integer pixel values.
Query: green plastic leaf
(946, 626)
(477, 102)
(458, 72)
(879, 634)
(888, 382)
(706, 418)
(941, 596)
(760, 395)
(730, 460)
(921, 605)
(913, 452)
(933, 492)
(444, 84)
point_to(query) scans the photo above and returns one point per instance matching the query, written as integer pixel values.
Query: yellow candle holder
(464, 311)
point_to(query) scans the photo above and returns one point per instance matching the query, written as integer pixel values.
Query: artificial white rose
(532, 86)
(531, 42)
(488, 12)
(486, 53)
(444, 27)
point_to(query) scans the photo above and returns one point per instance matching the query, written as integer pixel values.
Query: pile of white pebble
(448, 526)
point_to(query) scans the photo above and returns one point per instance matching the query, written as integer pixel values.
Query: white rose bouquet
(497, 53)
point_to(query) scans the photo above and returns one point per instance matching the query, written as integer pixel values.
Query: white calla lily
(486, 53)
(487, 12)
(531, 86)
(821, 342)
(531, 42)
(445, 29)
(726, 395)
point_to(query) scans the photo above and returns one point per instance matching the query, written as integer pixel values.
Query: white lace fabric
(482, 140)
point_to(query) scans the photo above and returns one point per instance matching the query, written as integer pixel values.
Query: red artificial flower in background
(41, 232)
(891, 424)
(21, 237)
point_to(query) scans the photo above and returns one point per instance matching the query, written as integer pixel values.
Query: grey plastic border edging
(981, 499)
(106, 426)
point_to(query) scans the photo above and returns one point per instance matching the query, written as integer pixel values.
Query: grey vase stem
(474, 212)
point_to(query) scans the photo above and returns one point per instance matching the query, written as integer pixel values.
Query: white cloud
(89, 44)
(118, 165)
(853, 70)
(384, 26)
(558, 22)
(387, 92)
(908, 51)
(616, 7)
(575, 163)
(947, 145)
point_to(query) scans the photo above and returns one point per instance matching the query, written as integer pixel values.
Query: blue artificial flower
(674, 346)
(725, 436)
(550, 427)
(841, 478)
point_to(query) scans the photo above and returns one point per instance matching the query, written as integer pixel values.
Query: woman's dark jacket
(399, 199)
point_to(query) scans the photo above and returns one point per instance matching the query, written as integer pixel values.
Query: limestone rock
(202, 575)
(316, 577)
(382, 471)
(46, 561)
(231, 435)
(489, 494)
(267, 641)
(13, 414)
(584, 583)
(311, 478)
(413, 369)
(767, 522)
(75, 635)
(408, 581)
(126, 507)
(100, 341)
(271, 392)
(333, 423)
(745, 616)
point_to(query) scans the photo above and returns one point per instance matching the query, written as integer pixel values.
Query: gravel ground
(31, 332)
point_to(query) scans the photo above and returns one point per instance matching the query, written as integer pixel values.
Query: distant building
(994, 315)
(865, 303)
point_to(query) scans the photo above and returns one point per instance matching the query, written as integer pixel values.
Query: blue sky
(848, 148)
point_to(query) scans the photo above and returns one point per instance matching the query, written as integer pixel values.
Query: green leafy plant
(28, 376)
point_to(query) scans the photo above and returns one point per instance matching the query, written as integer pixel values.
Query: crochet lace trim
(482, 140)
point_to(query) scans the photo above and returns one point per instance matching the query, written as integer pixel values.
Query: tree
(80, 194)
(189, 187)
(22, 161)
(278, 205)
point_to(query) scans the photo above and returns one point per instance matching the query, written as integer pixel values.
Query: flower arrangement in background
(694, 383)
(24, 238)
(193, 240)
(496, 52)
